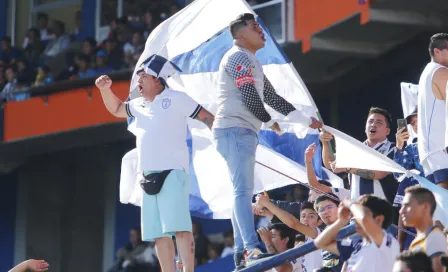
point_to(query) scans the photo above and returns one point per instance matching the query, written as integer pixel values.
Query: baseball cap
(158, 67)
(101, 53)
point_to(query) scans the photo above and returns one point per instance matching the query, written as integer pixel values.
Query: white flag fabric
(130, 191)
(355, 154)
(441, 196)
(195, 40)
(409, 96)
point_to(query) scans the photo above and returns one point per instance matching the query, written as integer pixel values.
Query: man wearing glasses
(327, 208)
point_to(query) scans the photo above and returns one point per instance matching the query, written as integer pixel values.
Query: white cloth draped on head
(158, 67)
(409, 95)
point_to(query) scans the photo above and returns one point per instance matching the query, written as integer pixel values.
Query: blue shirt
(89, 73)
(408, 158)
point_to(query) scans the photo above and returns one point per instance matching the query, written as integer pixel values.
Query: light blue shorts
(167, 212)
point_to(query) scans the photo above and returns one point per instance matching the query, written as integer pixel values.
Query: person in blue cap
(160, 117)
(101, 67)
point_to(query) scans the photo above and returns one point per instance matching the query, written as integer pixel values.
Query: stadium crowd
(37, 61)
(299, 215)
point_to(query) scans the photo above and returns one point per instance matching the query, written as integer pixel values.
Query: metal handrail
(294, 253)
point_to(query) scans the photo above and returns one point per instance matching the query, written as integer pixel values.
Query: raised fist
(103, 82)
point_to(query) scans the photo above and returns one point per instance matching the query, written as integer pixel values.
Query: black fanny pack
(152, 183)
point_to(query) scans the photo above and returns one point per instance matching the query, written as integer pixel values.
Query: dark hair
(21, 59)
(11, 66)
(444, 261)
(91, 41)
(321, 198)
(378, 206)
(122, 20)
(439, 41)
(137, 32)
(6, 39)
(416, 261)
(325, 182)
(137, 229)
(42, 15)
(240, 22)
(422, 195)
(84, 57)
(300, 237)
(383, 112)
(60, 25)
(36, 31)
(306, 205)
(285, 232)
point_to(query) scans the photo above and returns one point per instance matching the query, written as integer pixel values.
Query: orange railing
(312, 16)
(64, 111)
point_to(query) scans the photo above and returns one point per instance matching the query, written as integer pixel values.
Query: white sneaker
(254, 256)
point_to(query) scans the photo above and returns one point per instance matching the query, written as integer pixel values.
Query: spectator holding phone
(408, 157)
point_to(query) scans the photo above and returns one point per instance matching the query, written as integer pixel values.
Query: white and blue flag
(195, 40)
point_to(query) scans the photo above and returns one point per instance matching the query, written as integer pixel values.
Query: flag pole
(330, 146)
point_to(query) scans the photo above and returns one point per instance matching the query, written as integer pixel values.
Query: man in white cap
(160, 126)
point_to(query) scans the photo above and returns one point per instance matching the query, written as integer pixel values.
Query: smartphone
(401, 123)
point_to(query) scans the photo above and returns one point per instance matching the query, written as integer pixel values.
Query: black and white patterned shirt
(242, 91)
(385, 188)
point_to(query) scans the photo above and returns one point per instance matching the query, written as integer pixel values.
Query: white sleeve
(130, 108)
(436, 243)
(189, 107)
(128, 175)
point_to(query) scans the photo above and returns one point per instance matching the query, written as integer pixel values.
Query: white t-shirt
(367, 256)
(431, 114)
(296, 266)
(312, 260)
(161, 130)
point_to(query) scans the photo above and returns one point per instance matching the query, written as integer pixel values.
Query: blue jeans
(238, 146)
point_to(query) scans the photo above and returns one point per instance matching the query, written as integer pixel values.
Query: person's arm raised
(287, 218)
(327, 239)
(312, 178)
(113, 104)
(365, 220)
